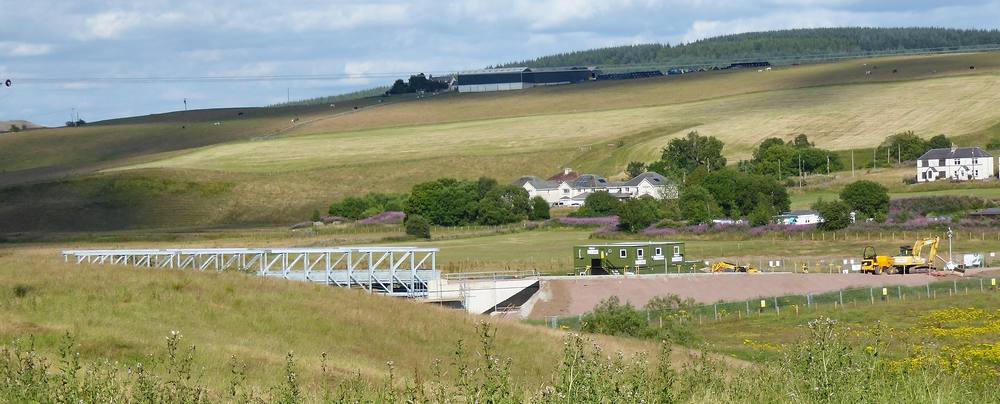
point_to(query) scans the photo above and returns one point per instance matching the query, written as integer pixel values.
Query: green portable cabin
(631, 257)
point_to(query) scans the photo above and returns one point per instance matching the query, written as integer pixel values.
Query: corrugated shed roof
(957, 153)
(497, 71)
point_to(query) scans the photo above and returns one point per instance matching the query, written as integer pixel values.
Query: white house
(799, 217)
(957, 164)
(569, 190)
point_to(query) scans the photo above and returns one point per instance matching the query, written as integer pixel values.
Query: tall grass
(824, 367)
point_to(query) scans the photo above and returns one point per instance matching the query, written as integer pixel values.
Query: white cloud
(341, 17)
(109, 25)
(15, 49)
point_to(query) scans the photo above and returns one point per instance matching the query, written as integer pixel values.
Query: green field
(263, 169)
(123, 314)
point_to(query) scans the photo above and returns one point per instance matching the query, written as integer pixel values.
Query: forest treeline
(771, 44)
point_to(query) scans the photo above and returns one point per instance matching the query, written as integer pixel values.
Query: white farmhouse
(956, 164)
(572, 190)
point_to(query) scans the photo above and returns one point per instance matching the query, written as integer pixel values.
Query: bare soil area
(564, 296)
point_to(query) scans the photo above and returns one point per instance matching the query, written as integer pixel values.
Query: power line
(683, 63)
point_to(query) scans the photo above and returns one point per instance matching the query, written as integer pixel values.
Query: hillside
(785, 46)
(267, 170)
(123, 314)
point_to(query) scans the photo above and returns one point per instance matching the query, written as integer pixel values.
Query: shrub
(418, 226)
(836, 215)
(539, 209)
(697, 205)
(315, 217)
(599, 203)
(504, 204)
(613, 318)
(639, 213)
(870, 199)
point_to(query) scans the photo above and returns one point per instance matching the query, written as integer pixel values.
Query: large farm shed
(635, 257)
(517, 78)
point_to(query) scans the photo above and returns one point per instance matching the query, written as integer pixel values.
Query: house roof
(564, 176)
(800, 213)
(631, 244)
(653, 178)
(956, 153)
(536, 182)
(590, 181)
(497, 70)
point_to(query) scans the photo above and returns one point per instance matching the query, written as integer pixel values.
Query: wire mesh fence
(803, 304)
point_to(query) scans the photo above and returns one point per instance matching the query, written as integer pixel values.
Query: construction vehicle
(723, 266)
(911, 259)
(872, 263)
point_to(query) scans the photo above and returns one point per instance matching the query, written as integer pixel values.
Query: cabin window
(623, 253)
(677, 250)
(659, 251)
(638, 253)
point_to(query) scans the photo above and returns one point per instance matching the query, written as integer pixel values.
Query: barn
(518, 78)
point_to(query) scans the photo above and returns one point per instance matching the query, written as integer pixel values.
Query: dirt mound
(562, 296)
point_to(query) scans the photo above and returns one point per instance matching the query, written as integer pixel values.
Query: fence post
(715, 309)
(841, 297)
(871, 293)
(954, 286)
(928, 290)
(748, 308)
(776, 308)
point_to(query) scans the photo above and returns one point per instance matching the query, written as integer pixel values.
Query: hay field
(835, 117)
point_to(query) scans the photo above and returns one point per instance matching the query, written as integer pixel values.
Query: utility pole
(288, 95)
(899, 154)
(800, 170)
(827, 164)
(888, 162)
(185, 104)
(852, 162)
(779, 169)
(874, 158)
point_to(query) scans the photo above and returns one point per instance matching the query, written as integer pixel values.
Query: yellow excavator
(910, 259)
(723, 266)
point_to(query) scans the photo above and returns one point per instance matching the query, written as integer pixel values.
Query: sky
(57, 52)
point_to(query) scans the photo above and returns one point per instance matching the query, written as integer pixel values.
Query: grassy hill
(123, 314)
(262, 168)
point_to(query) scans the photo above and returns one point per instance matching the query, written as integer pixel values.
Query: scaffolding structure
(396, 271)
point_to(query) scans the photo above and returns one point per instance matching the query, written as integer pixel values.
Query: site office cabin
(631, 258)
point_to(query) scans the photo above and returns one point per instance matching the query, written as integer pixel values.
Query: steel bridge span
(397, 271)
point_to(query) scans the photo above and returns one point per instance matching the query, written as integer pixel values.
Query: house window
(677, 250)
(659, 251)
(975, 161)
(638, 253)
(623, 253)
(941, 163)
(565, 191)
(920, 163)
(958, 162)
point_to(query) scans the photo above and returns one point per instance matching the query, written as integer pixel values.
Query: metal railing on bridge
(397, 271)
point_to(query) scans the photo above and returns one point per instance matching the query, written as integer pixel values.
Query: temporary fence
(795, 305)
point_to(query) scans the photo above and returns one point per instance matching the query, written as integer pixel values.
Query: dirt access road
(565, 296)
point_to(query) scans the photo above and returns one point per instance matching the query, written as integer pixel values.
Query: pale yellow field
(835, 117)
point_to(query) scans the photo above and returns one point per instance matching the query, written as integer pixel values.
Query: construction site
(634, 272)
